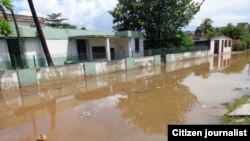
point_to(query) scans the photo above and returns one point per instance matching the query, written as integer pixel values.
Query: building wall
(123, 47)
(5, 63)
(66, 50)
(60, 50)
(33, 53)
(120, 45)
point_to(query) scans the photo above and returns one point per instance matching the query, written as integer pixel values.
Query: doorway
(16, 55)
(82, 49)
(216, 46)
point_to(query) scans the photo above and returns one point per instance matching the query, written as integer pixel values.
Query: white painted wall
(4, 52)
(120, 45)
(57, 48)
(32, 47)
(62, 48)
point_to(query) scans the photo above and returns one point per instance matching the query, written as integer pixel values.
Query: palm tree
(4, 3)
(9, 6)
(206, 26)
(40, 33)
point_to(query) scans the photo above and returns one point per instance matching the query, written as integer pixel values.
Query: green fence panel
(27, 77)
(130, 63)
(90, 69)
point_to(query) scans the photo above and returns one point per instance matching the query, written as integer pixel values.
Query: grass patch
(233, 106)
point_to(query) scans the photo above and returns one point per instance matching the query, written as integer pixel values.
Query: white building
(220, 45)
(68, 45)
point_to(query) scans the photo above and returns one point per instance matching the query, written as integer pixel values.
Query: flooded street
(126, 106)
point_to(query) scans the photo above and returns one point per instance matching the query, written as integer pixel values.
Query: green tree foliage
(5, 28)
(7, 4)
(206, 26)
(160, 19)
(206, 29)
(237, 33)
(128, 15)
(54, 20)
(183, 40)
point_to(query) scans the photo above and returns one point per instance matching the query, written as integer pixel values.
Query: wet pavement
(126, 106)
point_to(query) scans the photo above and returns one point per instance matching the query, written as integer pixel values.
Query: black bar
(208, 132)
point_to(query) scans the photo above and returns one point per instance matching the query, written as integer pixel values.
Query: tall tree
(160, 19)
(54, 20)
(40, 33)
(20, 58)
(6, 30)
(206, 26)
(128, 15)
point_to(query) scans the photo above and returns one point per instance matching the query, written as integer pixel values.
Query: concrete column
(91, 54)
(108, 56)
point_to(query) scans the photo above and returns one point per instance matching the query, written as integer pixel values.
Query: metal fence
(33, 61)
(164, 51)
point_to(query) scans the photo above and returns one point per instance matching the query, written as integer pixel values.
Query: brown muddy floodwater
(126, 106)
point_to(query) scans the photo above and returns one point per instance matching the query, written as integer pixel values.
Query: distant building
(220, 45)
(24, 20)
(215, 45)
(245, 25)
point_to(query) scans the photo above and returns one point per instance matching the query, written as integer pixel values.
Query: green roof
(57, 34)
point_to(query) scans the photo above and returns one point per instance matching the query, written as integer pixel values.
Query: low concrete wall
(8, 80)
(45, 75)
(112, 66)
(144, 62)
(29, 77)
(186, 55)
(173, 66)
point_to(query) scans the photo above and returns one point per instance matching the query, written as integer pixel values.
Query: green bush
(241, 46)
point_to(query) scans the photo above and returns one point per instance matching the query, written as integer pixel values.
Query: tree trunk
(12, 58)
(19, 41)
(40, 33)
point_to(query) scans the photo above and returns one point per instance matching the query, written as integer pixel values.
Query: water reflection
(131, 105)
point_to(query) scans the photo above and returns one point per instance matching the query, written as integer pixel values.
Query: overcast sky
(94, 16)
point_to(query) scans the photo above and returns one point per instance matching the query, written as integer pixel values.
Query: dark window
(222, 43)
(225, 43)
(99, 52)
(137, 45)
(230, 43)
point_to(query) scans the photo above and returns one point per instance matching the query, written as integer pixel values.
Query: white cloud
(222, 12)
(94, 16)
(78, 12)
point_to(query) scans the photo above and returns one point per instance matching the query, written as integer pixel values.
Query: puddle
(126, 106)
